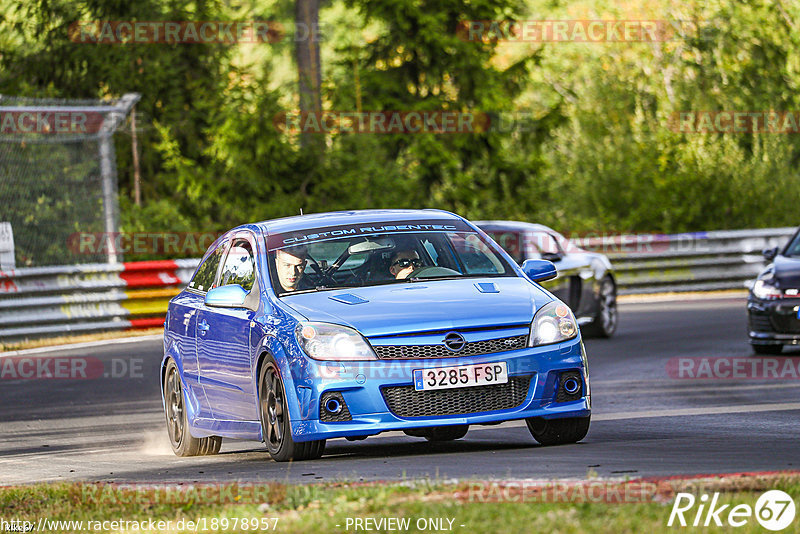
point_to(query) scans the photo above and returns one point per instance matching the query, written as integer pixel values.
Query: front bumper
(361, 386)
(774, 322)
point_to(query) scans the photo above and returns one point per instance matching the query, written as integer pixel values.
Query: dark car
(586, 280)
(773, 306)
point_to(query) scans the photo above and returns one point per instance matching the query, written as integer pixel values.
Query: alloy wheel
(608, 307)
(273, 409)
(174, 405)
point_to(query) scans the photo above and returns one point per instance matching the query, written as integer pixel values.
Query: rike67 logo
(774, 510)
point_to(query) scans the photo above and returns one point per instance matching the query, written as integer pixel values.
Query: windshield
(511, 242)
(369, 255)
(793, 249)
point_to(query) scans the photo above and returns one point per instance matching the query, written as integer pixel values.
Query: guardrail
(46, 301)
(701, 261)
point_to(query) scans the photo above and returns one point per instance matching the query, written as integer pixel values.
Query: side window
(204, 277)
(239, 267)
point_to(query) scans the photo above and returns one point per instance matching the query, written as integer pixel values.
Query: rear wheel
(558, 431)
(181, 440)
(605, 321)
(767, 349)
(275, 423)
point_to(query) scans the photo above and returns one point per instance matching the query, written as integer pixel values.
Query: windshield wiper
(456, 277)
(427, 278)
(313, 290)
(451, 277)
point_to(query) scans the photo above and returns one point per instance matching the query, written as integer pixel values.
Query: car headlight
(766, 291)
(554, 322)
(323, 341)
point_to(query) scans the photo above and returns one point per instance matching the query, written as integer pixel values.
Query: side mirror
(539, 270)
(770, 253)
(230, 296)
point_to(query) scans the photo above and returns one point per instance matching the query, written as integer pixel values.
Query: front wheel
(605, 321)
(558, 431)
(275, 425)
(181, 440)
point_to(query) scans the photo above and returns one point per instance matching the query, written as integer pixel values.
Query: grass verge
(470, 506)
(82, 338)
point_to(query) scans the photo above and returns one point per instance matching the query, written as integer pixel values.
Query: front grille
(786, 324)
(405, 401)
(760, 323)
(473, 348)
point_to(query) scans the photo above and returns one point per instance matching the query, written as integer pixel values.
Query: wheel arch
(271, 346)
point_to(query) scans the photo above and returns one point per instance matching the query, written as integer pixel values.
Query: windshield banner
(312, 235)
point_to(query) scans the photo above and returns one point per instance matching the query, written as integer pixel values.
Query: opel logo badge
(454, 341)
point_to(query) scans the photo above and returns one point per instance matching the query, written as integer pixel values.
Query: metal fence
(57, 176)
(702, 261)
(46, 301)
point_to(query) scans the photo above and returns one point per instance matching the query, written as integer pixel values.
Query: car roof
(513, 225)
(335, 218)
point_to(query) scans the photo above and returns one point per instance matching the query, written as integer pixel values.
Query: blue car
(298, 330)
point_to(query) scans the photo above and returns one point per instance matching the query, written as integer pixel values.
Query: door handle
(203, 327)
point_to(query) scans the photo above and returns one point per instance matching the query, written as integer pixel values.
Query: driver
(404, 263)
(290, 264)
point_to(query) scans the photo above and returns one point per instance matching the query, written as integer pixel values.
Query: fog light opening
(571, 385)
(333, 406)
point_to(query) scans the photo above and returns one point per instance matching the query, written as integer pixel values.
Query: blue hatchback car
(349, 324)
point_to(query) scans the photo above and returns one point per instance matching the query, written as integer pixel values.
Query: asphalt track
(646, 422)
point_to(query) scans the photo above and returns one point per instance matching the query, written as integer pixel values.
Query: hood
(785, 272)
(424, 306)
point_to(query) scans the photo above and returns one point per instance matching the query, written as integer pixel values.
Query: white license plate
(461, 376)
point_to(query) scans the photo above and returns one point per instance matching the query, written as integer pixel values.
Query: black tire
(275, 425)
(447, 433)
(607, 316)
(768, 349)
(180, 438)
(558, 431)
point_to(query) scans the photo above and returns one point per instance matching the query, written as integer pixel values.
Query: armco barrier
(46, 301)
(701, 261)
